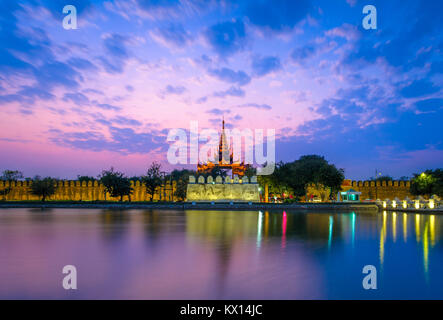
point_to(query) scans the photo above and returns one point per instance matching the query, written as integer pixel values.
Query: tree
(152, 179)
(11, 175)
(250, 171)
(43, 188)
(85, 178)
(309, 170)
(182, 178)
(4, 193)
(427, 183)
(116, 184)
(383, 178)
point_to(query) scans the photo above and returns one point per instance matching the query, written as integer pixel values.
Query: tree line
(291, 179)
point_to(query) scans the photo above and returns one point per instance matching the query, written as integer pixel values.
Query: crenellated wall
(94, 191)
(369, 189)
(379, 189)
(85, 191)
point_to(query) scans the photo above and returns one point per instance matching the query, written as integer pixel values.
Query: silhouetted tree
(43, 188)
(4, 193)
(11, 175)
(182, 179)
(383, 178)
(153, 179)
(309, 169)
(428, 183)
(85, 178)
(116, 184)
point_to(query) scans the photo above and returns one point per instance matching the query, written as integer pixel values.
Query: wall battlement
(85, 191)
(379, 189)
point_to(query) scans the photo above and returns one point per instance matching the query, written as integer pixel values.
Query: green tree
(250, 171)
(11, 175)
(308, 170)
(116, 184)
(153, 179)
(383, 178)
(85, 178)
(182, 178)
(43, 188)
(4, 193)
(427, 183)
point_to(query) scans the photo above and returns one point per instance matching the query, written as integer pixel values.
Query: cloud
(172, 34)
(106, 106)
(217, 111)
(302, 53)
(228, 75)
(81, 64)
(149, 5)
(256, 106)
(227, 38)
(232, 91)
(346, 31)
(78, 98)
(262, 66)
(178, 90)
(115, 46)
(201, 100)
(126, 121)
(121, 140)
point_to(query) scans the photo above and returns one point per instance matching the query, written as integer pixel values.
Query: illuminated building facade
(225, 159)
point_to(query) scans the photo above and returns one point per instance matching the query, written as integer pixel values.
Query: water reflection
(220, 254)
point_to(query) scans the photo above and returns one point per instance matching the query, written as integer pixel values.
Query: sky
(75, 102)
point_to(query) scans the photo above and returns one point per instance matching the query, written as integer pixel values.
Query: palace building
(225, 159)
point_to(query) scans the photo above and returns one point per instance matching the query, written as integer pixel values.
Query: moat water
(150, 254)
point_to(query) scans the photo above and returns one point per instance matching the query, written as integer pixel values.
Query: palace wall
(380, 189)
(94, 191)
(373, 189)
(85, 191)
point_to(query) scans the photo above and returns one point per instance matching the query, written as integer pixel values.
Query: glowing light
(417, 227)
(331, 225)
(382, 239)
(394, 226)
(431, 204)
(432, 226)
(394, 204)
(384, 204)
(405, 204)
(417, 204)
(426, 249)
(259, 227)
(405, 226)
(353, 215)
(284, 222)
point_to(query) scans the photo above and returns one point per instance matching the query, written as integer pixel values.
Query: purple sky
(79, 101)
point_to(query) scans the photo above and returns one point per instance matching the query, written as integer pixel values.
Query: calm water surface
(137, 254)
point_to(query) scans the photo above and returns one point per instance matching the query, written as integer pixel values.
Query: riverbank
(342, 206)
